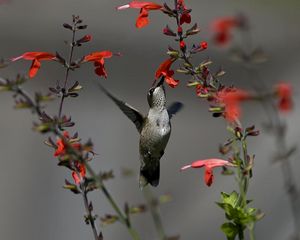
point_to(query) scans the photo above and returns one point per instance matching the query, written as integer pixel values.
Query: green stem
(251, 232)
(153, 207)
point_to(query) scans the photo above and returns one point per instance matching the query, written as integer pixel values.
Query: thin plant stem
(88, 210)
(67, 71)
(98, 180)
(153, 207)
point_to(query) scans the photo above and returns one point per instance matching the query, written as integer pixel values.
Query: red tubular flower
(284, 92)
(222, 28)
(36, 57)
(231, 98)
(79, 175)
(164, 70)
(98, 59)
(208, 164)
(144, 7)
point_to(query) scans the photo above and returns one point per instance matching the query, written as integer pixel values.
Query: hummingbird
(154, 130)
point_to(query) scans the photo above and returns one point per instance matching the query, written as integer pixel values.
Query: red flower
(61, 145)
(185, 17)
(144, 7)
(208, 164)
(36, 57)
(231, 99)
(222, 28)
(79, 175)
(284, 92)
(98, 59)
(164, 70)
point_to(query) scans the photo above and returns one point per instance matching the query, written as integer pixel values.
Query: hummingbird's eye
(151, 91)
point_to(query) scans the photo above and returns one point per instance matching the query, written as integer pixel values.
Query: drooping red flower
(144, 7)
(79, 175)
(164, 70)
(98, 59)
(231, 98)
(208, 165)
(36, 57)
(222, 28)
(284, 92)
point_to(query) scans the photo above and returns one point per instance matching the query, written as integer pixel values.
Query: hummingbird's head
(156, 95)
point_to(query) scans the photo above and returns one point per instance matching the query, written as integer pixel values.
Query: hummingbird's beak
(161, 81)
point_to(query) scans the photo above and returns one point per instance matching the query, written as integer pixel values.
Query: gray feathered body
(154, 129)
(154, 137)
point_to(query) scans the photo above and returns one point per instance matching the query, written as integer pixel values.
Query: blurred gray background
(33, 204)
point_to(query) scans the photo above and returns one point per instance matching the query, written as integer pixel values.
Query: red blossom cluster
(62, 145)
(222, 28)
(231, 99)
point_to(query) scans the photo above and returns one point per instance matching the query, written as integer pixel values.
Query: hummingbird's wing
(174, 108)
(134, 115)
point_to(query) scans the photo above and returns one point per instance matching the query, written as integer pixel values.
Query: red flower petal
(169, 80)
(60, 148)
(163, 67)
(284, 91)
(142, 19)
(82, 170)
(208, 176)
(35, 55)
(139, 4)
(35, 66)
(231, 98)
(96, 56)
(76, 178)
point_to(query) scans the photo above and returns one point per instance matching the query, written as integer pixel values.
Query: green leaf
(231, 199)
(230, 230)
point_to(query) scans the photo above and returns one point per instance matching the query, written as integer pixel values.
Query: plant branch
(98, 180)
(72, 45)
(89, 208)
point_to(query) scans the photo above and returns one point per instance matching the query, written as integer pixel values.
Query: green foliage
(239, 216)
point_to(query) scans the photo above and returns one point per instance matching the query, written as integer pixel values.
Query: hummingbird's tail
(149, 175)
